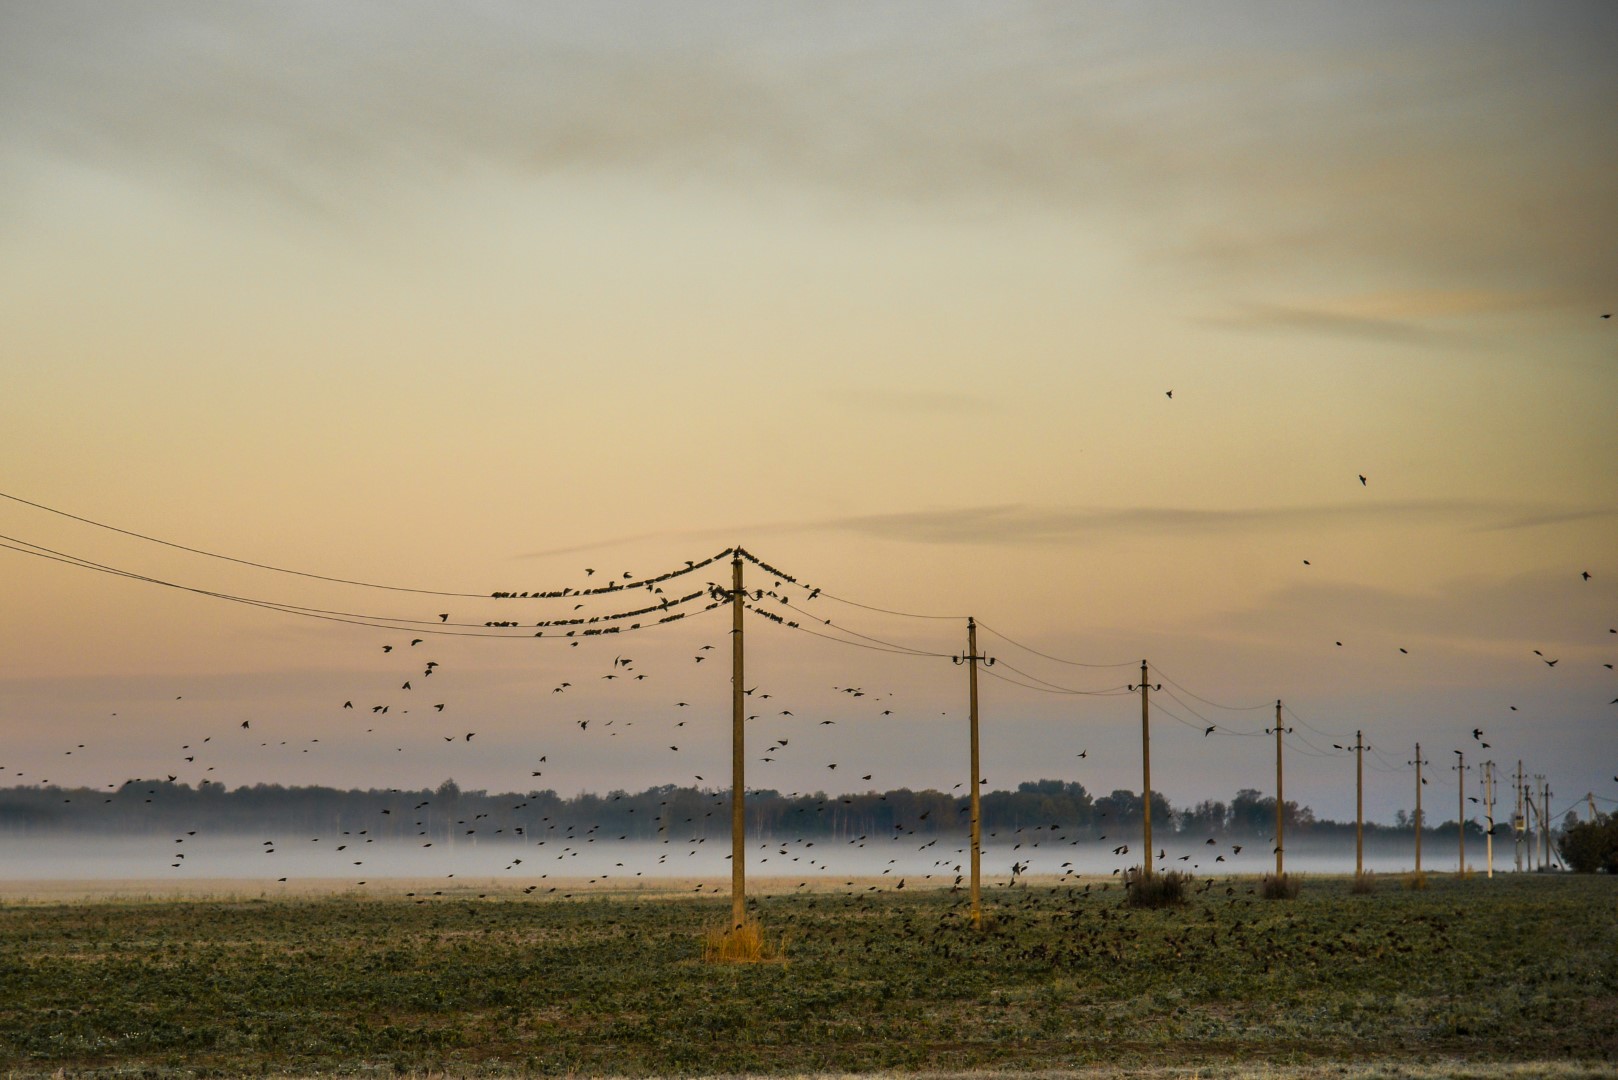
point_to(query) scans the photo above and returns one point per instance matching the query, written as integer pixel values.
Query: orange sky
(452, 299)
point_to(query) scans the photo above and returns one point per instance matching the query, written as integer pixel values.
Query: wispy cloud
(1021, 524)
(1469, 143)
(1277, 318)
(1534, 519)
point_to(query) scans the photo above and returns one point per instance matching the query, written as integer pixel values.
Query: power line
(1158, 671)
(690, 566)
(350, 618)
(1311, 727)
(1047, 656)
(817, 592)
(1057, 687)
(827, 622)
(1217, 728)
(900, 650)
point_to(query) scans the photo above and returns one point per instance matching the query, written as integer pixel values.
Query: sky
(1263, 343)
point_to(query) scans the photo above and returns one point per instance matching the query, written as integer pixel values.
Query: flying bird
(1362, 479)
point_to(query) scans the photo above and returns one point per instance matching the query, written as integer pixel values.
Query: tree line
(660, 812)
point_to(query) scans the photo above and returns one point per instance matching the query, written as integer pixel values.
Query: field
(1469, 977)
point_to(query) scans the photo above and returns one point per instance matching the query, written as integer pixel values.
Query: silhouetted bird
(1362, 479)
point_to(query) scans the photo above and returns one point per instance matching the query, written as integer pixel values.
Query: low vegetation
(1280, 886)
(1157, 891)
(1459, 978)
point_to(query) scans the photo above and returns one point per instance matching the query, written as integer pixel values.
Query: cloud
(1451, 141)
(1262, 317)
(1535, 519)
(1020, 524)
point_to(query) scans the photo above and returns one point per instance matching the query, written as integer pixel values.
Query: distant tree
(1589, 847)
(1209, 815)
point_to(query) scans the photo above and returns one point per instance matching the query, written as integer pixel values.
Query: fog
(269, 857)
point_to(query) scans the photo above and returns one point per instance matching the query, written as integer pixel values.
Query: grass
(1467, 977)
(1158, 891)
(744, 943)
(1280, 886)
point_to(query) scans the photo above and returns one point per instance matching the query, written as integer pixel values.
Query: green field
(1468, 974)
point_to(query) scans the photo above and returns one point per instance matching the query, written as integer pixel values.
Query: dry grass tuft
(1159, 890)
(1280, 886)
(1363, 884)
(744, 944)
(1416, 882)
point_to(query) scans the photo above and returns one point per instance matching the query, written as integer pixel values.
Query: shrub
(1591, 846)
(1159, 890)
(1417, 882)
(1280, 887)
(1363, 883)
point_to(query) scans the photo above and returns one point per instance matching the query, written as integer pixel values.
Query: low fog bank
(270, 857)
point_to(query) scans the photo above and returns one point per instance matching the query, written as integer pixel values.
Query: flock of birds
(785, 603)
(409, 673)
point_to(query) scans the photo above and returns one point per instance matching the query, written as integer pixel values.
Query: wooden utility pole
(1545, 818)
(972, 659)
(1359, 803)
(1487, 780)
(1280, 797)
(738, 756)
(1418, 764)
(1530, 815)
(1460, 813)
(1519, 822)
(1146, 768)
